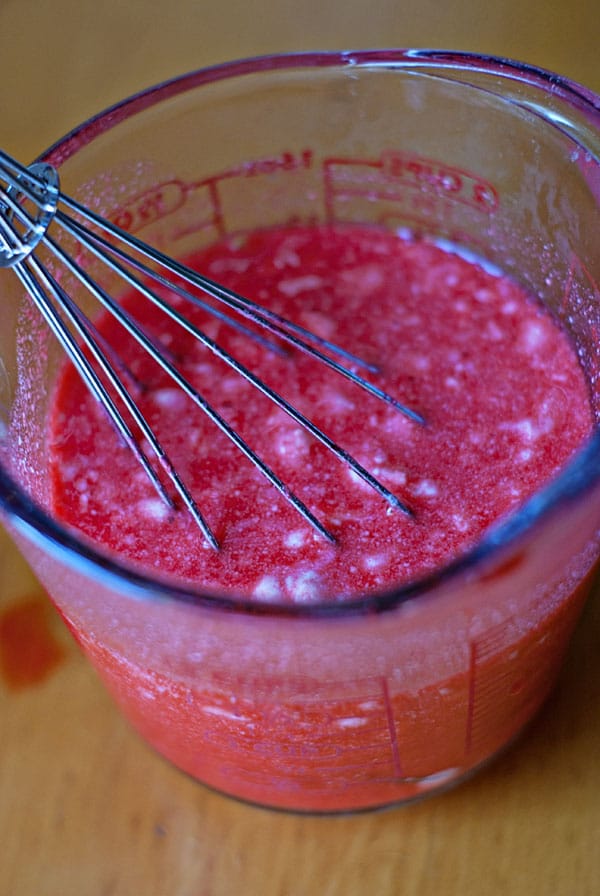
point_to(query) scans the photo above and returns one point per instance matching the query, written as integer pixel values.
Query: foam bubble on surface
(286, 257)
(153, 509)
(169, 399)
(532, 336)
(293, 286)
(363, 279)
(304, 586)
(523, 428)
(357, 480)
(374, 561)
(81, 484)
(336, 401)
(318, 323)
(295, 539)
(425, 488)
(459, 522)
(292, 443)
(228, 265)
(390, 476)
(267, 589)
(231, 384)
(494, 332)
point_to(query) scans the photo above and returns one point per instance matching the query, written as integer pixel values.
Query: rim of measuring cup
(579, 474)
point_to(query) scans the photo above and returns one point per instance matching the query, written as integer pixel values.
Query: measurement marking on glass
(217, 208)
(486, 687)
(389, 710)
(364, 719)
(396, 177)
(151, 205)
(402, 178)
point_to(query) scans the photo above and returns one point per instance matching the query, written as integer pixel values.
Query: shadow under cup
(392, 696)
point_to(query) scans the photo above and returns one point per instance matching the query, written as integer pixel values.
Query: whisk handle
(28, 202)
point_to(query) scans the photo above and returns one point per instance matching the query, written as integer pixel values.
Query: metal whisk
(35, 213)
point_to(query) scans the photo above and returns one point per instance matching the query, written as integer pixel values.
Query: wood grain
(85, 806)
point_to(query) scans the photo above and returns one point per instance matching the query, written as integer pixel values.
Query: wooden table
(85, 807)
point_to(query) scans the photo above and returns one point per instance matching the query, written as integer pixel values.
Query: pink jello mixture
(496, 380)
(371, 710)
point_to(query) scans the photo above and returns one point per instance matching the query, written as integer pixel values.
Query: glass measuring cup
(392, 696)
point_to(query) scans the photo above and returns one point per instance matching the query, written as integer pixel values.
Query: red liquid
(506, 406)
(497, 382)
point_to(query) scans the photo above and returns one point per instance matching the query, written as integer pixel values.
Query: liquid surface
(496, 380)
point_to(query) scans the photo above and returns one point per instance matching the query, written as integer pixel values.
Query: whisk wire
(214, 347)
(39, 186)
(132, 327)
(258, 313)
(11, 237)
(86, 330)
(38, 292)
(86, 237)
